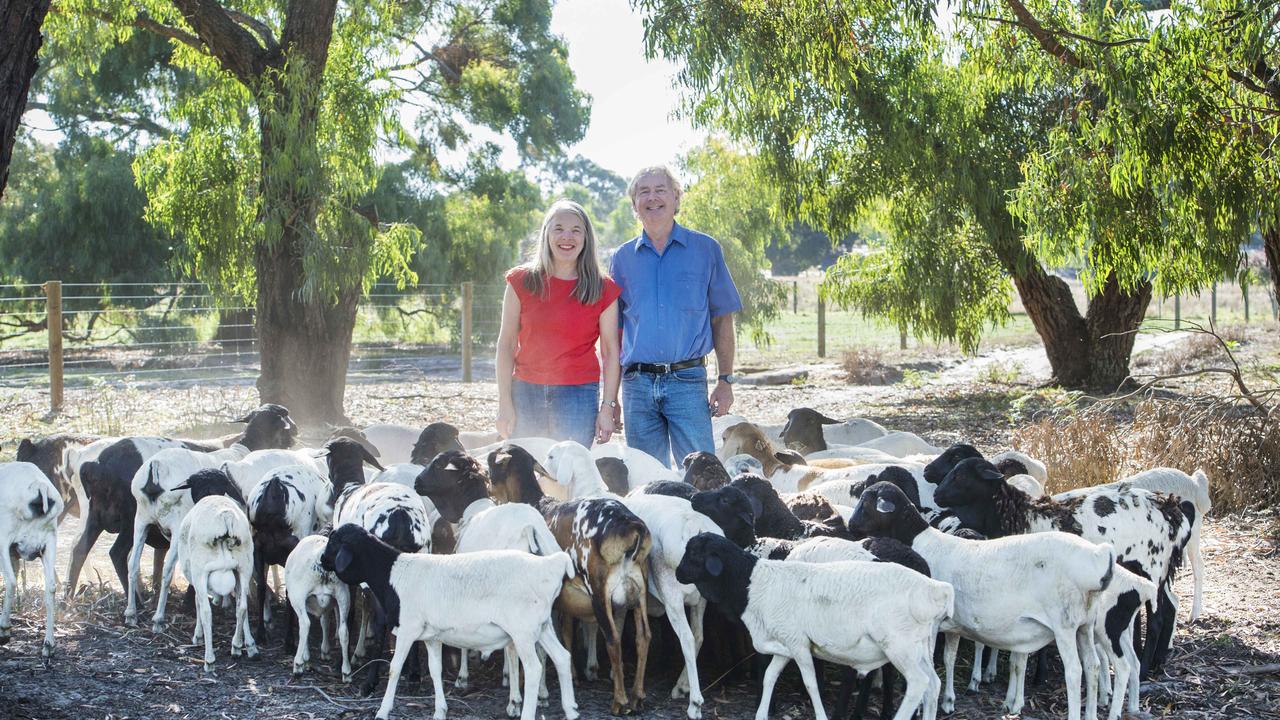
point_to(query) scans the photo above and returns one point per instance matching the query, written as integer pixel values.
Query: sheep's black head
(730, 508)
(1012, 466)
(762, 494)
(900, 477)
(789, 457)
(513, 474)
(704, 470)
(345, 545)
(356, 434)
(884, 511)
(803, 430)
(268, 426)
(343, 452)
(208, 482)
(970, 481)
(941, 465)
(433, 440)
(453, 480)
(719, 569)
(615, 474)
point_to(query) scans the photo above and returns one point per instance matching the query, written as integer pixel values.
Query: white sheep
(396, 443)
(29, 509)
(483, 600)
(286, 505)
(312, 590)
(642, 468)
(859, 614)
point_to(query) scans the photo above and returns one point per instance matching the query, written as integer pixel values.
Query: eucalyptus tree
(277, 149)
(20, 22)
(867, 104)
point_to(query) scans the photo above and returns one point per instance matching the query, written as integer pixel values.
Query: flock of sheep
(820, 541)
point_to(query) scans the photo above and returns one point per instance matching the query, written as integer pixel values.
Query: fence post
(795, 296)
(1213, 304)
(1244, 293)
(467, 288)
(1177, 312)
(53, 321)
(902, 337)
(822, 328)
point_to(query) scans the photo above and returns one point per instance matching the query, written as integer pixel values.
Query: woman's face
(567, 235)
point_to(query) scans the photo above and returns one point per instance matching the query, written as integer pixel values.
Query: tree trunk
(1271, 246)
(20, 22)
(1113, 318)
(1064, 333)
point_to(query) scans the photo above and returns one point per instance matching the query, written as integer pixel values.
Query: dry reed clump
(1237, 447)
(865, 366)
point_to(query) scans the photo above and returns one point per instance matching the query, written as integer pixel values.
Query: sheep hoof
(695, 712)
(637, 705)
(948, 705)
(620, 709)
(252, 652)
(973, 686)
(462, 683)
(131, 619)
(988, 677)
(513, 710)
(678, 692)
(46, 650)
(298, 669)
(208, 670)
(157, 626)
(4, 634)
(571, 714)
(235, 651)
(346, 678)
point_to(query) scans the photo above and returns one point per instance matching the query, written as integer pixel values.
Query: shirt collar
(677, 236)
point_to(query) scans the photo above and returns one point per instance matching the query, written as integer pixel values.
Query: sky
(633, 100)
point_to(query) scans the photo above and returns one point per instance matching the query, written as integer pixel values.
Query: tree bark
(1113, 318)
(20, 22)
(1271, 246)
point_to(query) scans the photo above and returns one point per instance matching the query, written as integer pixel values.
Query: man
(677, 305)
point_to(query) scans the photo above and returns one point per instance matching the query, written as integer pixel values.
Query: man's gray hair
(672, 180)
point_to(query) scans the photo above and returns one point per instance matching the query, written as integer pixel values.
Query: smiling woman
(556, 307)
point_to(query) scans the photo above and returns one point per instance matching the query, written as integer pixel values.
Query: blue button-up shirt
(669, 298)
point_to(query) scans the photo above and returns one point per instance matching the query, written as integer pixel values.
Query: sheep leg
(364, 633)
(119, 554)
(205, 610)
(1135, 684)
(242, 609)
(1089, 668)
(393, 677)
(1168, 609)
(435, 664)
(776, 664)
(303, 655)
(135, 570)
(805, 662)
(543, 693)
(566, 639)
(10, 590)
(620, 705)
(975, 678)
(1107, 660)
(673, 602)
(564, 669)
(162, 599)
(591, 638)
(526, 648)
(50, 587)
(640, 616)
(380, 631)
(1197, 572)
(326, 647)
(260, 578)
(993, 659)
(950, 648)
(463, 680)
(1017, 671)
(92, 530)
(1066, 642)
(343, 610)
(511, 665)
(918, 684)
(158, 556)
(848, 678)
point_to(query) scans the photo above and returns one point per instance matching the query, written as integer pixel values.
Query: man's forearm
(725, 342)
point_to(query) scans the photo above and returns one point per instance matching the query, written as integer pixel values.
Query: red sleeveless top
(557, 340)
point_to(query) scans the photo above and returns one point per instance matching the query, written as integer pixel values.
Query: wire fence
(182, 334)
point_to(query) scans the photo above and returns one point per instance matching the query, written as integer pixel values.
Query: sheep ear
(369, 458)
(827, 421)
(885, 506)
(790, 457)
(713, 565)
(248, 416)
(537, 467)
(990, 473)
(342, 560)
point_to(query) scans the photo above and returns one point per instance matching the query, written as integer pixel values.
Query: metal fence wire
(181, 333)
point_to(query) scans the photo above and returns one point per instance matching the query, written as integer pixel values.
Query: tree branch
(1042, 36)
(236, 49)
(1063, 33)
(262, 29)
(131, 121)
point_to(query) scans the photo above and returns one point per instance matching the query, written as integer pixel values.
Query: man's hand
(721, 399)
(605, 424)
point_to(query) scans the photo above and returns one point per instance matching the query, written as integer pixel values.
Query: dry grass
(866, 366)
(1195, 352)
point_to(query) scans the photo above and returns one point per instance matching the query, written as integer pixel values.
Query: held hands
(721, 399)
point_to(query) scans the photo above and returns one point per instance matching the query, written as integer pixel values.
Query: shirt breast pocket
(693, 290)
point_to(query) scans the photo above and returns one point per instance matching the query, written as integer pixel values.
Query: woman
(556, 307)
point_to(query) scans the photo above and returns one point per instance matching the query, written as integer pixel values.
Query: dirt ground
(1227, 665)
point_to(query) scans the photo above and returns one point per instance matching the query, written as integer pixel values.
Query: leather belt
(664, 368)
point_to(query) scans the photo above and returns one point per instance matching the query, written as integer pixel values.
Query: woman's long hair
(590, 279)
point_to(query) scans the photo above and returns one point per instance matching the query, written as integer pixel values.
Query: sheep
(481, 600)
(395, 442)
(616, 476)
(312, 590)
(1014, 593)
(774, 519)
(52, 454)
(609, 546)
(287, 505)
(215, 543)
(852, 613)
(29, 509)
(1147, 531)
(1021, 464)
(1194, 488)
(672, 523)
(669, 488)
(808, 430)
(724, 422)
(537, 448)
(571, 464)
(907, 476)
(1113, 634)
(704, 471)
(786, 469)
(433, 440)
(898, 444)
(641, 466)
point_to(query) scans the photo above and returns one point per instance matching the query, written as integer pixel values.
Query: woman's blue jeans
(560, 412)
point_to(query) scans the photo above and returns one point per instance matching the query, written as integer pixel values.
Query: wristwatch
(729, 378)
(610, 403)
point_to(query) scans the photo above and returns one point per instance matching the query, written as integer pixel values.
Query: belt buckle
(666, 367)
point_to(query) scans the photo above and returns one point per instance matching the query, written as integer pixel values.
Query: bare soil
(1227, 665)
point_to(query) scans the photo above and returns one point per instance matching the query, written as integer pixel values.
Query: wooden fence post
(795, 296)
(1177, 312)
(53, 321)
(467, 288)
(902, 337)
(1244, 293)
(822, 327)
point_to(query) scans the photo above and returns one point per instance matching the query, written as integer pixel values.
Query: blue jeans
(667, 412)
(560, 412)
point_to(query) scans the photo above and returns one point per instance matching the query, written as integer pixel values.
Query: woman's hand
(506, 424)
(605, 424)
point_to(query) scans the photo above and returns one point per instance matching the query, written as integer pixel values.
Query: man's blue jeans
(667, 412)
(559, 412)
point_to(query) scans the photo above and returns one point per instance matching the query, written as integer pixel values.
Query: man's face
(656, 201)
